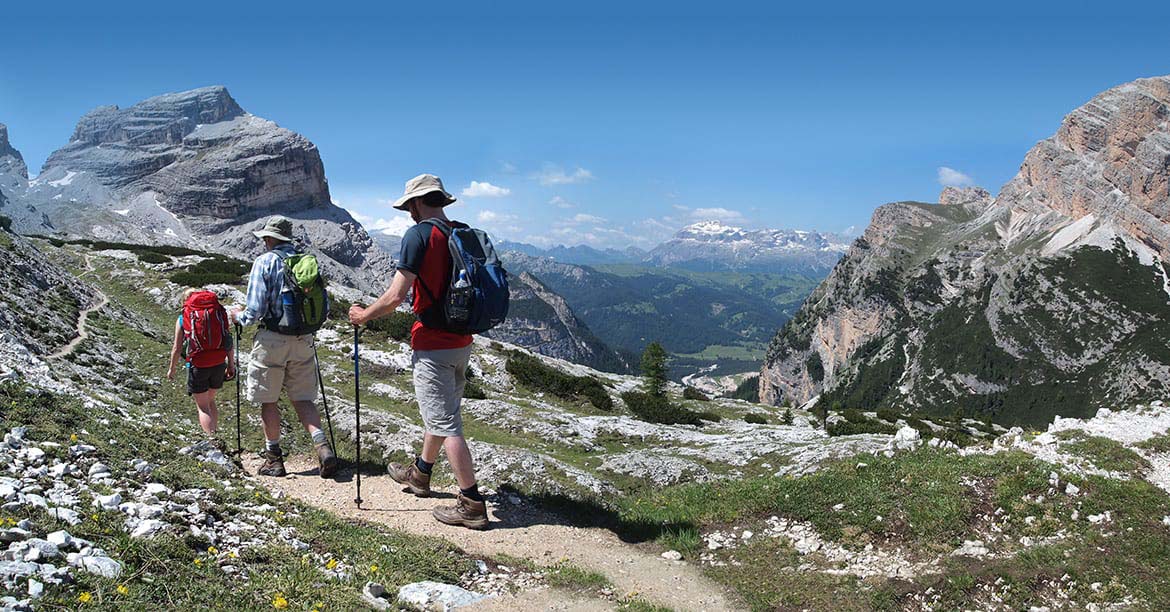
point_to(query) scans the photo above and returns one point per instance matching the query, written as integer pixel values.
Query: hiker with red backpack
(460, 289)
(203, 339)
(287, 299)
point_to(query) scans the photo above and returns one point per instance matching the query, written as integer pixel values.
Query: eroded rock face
(1111, 159)
(11, 161)
(1040, 301)
(541, 320)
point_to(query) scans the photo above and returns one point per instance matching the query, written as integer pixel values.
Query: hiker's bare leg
(308, 416)
(270, 416)
(208, 415)
(432, 444)
(459, 456)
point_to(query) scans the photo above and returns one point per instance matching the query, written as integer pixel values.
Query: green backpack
(304, 303)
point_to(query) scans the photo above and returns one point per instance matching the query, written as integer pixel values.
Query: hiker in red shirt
(440, 357)
(203, 339)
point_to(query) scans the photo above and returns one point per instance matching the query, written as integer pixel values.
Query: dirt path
(520, 531)
(83, 318)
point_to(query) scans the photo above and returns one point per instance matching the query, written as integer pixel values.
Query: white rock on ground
(430, 595)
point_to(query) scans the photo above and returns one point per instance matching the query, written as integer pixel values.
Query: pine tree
(787, 418)
(654, 369)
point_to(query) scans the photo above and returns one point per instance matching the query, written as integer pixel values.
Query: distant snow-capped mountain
(713, 245)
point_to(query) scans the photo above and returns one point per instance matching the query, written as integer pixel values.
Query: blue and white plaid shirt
(264, 285)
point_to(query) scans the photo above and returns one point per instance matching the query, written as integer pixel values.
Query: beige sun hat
(420, 186)
(276, 227)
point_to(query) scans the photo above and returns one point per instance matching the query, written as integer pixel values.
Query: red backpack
(205, 329)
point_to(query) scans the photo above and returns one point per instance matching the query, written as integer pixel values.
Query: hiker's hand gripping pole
(357, 407)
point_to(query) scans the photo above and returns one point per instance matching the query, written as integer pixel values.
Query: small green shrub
(711, 417)
(755, 419)
(886, 414)
(199, 279)
(396, 325)
(151, 257)
(6, 223)
(471, 390)
(748, 390)
(849, 428)
(787, 418)
(856, 417)
(534, 374)
(692, 393)
(338, 308)
(655, 409)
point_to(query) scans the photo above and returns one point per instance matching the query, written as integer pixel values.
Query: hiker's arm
(256, 302)
(386, 304)
(176, 348)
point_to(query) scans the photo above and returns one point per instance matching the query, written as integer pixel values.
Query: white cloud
(554, 175)
(491, 216)
(584, 218)
(560, 202)
(949, 177)
(484, 190)
(717, 214)
(394, 226)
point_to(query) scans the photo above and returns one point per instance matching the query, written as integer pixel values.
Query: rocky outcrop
(195, 169)
(11, 161)
(1109, 159)
(1040, 301)
(711, 245)
(540, 320)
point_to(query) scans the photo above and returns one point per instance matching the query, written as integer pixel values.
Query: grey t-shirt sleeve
(414, 247)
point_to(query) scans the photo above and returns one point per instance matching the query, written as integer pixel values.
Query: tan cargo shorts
(439, 378)
(281, 362)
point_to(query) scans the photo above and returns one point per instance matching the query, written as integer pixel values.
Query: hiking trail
(520, 531)
(83, 317)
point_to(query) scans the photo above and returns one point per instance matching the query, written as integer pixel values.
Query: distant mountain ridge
(1050, 298)
(710, 246)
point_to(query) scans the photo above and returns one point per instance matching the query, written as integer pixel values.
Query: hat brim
(402, 203)
(270, 234)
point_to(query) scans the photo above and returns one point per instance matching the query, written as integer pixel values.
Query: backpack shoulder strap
(439, 223)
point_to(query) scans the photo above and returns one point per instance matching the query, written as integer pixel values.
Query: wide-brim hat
(277, 227)
(421, 185)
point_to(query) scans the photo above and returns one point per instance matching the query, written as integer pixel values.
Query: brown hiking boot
(326, 460)
(465, 513)
(409, 475)
(273, 463)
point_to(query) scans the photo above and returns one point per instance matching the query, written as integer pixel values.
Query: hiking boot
(273, 463)
(465, 513)
(326, 460)
(409, 475)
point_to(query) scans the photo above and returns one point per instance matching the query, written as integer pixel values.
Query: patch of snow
(66, 180)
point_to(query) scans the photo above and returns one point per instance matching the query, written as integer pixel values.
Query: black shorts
(200, 380)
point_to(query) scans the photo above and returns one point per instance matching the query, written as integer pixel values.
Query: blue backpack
(476, 299)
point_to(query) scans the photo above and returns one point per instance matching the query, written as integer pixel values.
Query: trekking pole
(357, 407)
(324, 401)
(239, 442)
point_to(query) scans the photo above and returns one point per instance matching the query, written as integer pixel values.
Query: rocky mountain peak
(1110, 159)
(164, 119)
(975, 198)
(11, 162)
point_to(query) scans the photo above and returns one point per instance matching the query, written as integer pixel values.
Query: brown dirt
(520, 531)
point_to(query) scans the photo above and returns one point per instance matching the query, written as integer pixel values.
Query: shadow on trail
(555, 509)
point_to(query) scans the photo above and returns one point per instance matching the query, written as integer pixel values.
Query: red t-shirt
(424, 252)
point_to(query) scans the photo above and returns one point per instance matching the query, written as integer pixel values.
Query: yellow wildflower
(211, 550)
(332, 563)
(198, 561)
(72, 437)
(85, 597)
(123, 589)
(279, 602)
(233, 554)
(373, 568)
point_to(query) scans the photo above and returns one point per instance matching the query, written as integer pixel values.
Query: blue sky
(607, 124)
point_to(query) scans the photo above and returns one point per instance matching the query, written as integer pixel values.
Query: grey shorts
(439, 378)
